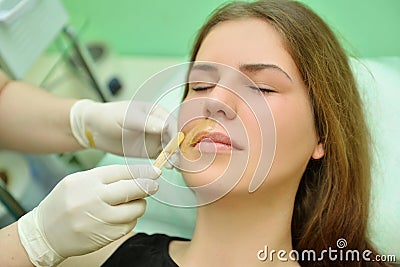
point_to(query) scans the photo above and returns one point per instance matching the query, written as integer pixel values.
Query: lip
(219, 140)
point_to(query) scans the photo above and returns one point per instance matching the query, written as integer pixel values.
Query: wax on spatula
(169, 150)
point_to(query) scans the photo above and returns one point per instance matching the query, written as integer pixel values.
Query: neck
(232, 230)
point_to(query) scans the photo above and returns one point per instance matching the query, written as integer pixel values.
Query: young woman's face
(251, 129)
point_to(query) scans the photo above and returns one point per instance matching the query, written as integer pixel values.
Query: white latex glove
(102, 125)
(86, 211)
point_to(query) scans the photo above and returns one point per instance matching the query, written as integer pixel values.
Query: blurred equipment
(15, 180)
(85, 60)
(27, 28)
(114, 85)
(9, 201)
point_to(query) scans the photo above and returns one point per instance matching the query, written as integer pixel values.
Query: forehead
(246, 41)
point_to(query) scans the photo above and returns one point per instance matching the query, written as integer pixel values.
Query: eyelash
(197, 89)
(202, 88)
(262, 90)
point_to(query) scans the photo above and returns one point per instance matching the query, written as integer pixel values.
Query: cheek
(186, 114)
(262, 142)
(191, 109)
(296, 137)
(256, 132)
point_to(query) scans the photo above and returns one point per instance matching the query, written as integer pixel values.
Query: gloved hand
(102, 125)
(86, 211)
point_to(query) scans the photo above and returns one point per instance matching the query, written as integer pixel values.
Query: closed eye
(202, 86)
(263, 90)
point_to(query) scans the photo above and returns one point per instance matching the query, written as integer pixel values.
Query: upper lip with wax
(215, 137)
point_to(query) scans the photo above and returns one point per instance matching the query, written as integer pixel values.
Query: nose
(220, 103)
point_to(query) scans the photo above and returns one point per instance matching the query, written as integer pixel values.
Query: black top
(143, 250)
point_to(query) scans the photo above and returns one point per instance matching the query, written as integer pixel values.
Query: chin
(216, 179)
(204, 170)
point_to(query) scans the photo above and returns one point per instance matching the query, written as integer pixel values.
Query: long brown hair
(332, 200)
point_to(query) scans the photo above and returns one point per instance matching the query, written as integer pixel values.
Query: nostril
(214, 108)
(221, 112)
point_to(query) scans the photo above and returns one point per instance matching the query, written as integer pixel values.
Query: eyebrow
(243, 68)
(261, 66)
(205, 67)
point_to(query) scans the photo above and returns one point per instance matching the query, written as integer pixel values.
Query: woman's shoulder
(151, 240)
(143, 250)
(138, 249)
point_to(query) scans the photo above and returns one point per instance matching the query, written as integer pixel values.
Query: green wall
(369, 28)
